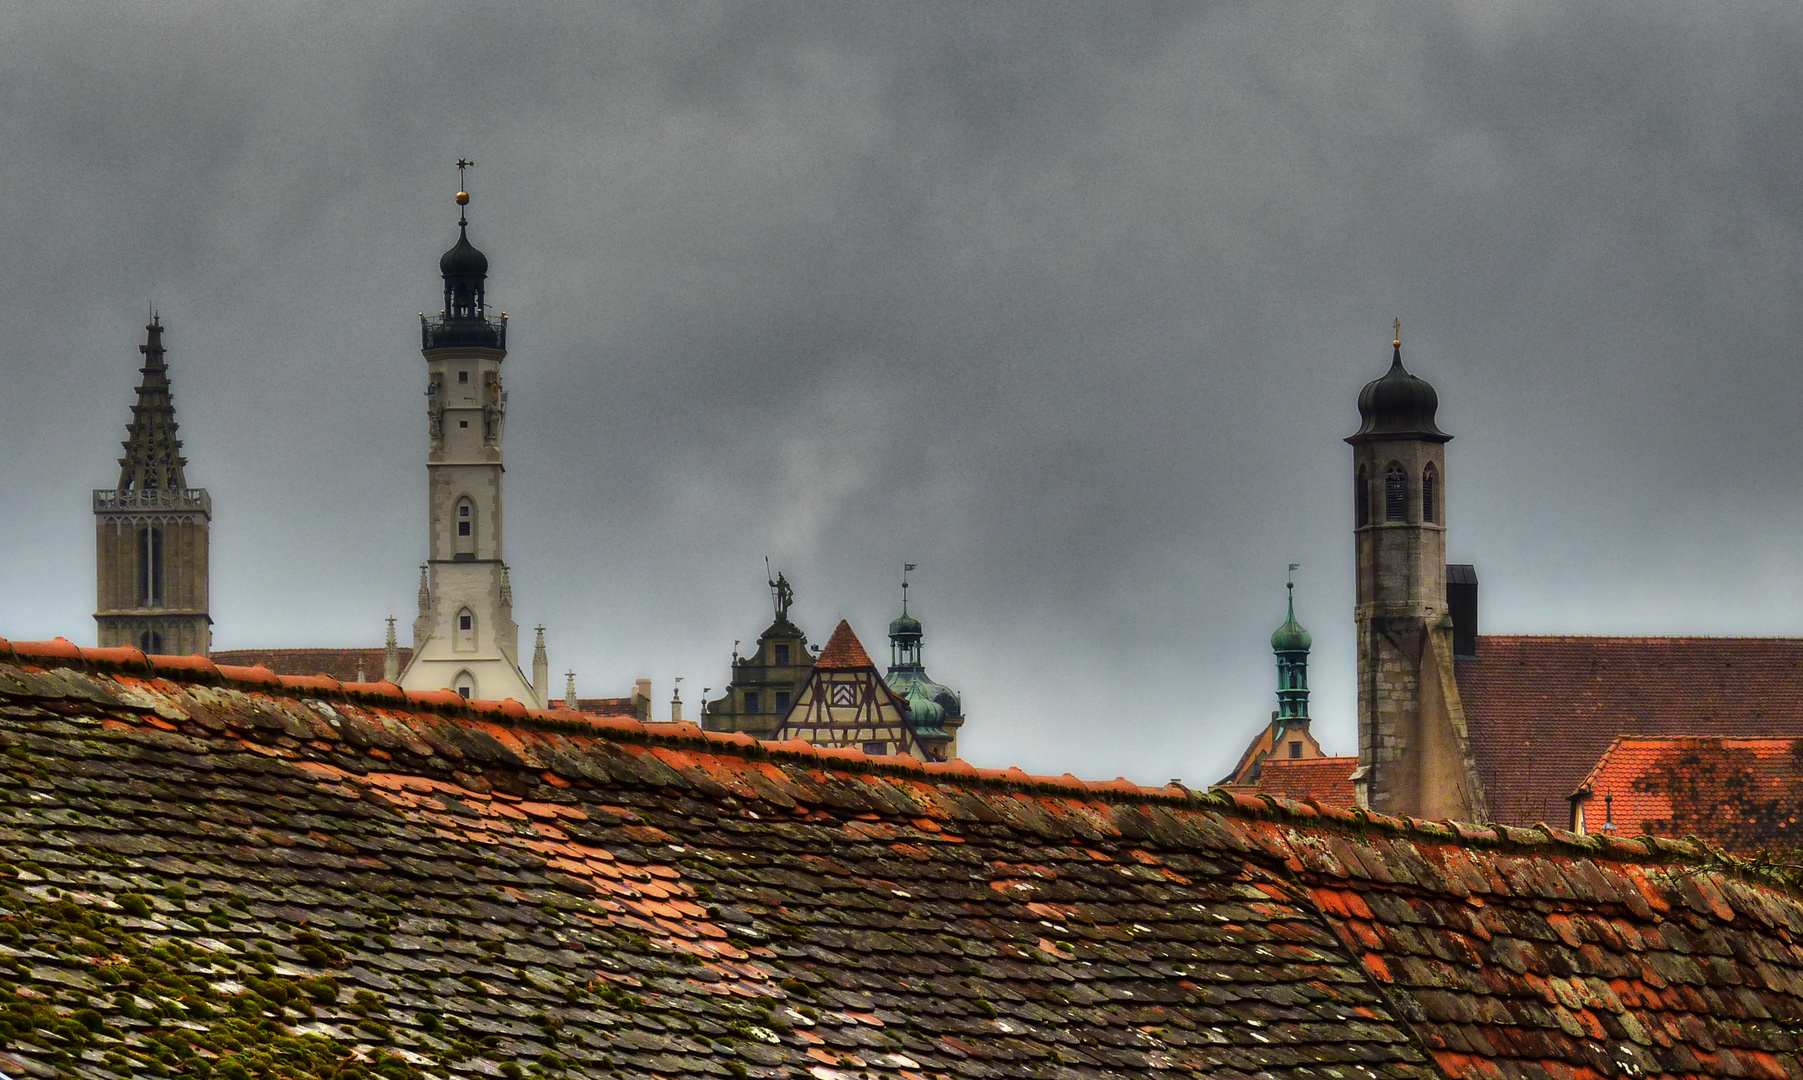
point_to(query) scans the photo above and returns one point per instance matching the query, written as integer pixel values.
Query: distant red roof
(340, 664)
(1540, 711)
(843, 650)
(1742, 794)
(1327, 780)
(604, 706)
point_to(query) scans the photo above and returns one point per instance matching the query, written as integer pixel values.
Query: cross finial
(1398, 328)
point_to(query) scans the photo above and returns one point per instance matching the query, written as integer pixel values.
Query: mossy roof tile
(473, 886)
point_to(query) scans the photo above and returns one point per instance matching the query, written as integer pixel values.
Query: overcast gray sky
(1069, 304)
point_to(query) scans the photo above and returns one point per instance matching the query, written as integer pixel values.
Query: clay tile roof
(1327, 780)
(843, 651)
(292, 877)
(1742, 794)
(1558, 702)
(340, 664)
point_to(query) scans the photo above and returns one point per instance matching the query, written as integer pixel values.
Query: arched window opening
(150, 567)
(1430, 494)
(465, 685)
(1361, 498)
(466, 630)
(1396, 493)
(466, 527)
(151, 642)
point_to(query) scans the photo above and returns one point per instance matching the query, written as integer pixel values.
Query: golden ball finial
(463, 198)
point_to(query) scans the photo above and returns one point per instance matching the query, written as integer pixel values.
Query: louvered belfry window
(1430, 494)
(1396, 493)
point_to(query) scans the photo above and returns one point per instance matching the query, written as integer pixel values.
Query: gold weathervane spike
(463, 195)
(1398, 341)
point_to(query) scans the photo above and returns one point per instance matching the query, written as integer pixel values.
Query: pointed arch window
(465, 639)
(1396, 493)
(465, 685)
(1430, 493)
(151, 642)
(1361, 498)
(150, 567)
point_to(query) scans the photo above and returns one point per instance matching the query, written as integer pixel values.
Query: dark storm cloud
(1067, 304)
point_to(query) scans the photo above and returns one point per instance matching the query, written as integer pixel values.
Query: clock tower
(465, 637)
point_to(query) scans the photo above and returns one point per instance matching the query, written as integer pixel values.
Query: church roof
(288, 874)
(1742, 794)
(1558, 702)
(1327, 780)
(843, 651)
(340, 664)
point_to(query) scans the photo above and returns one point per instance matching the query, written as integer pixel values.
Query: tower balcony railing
(153, 499)
(446, 332)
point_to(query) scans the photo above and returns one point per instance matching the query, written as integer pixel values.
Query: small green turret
(1291, 644)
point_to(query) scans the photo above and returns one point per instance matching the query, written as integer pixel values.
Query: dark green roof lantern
(1291, 644)
(908, 674)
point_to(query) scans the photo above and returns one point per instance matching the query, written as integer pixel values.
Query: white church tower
(465, 637)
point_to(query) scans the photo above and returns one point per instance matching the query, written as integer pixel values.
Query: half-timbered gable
(846, 703)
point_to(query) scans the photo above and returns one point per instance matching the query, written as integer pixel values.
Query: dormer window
(1396, 493)
(782, 656)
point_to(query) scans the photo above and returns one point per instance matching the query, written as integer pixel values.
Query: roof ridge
(1540, 838)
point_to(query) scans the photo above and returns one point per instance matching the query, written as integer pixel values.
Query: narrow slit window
(1396, 494)
(1430, 494)
(1361, 498)
(150, 567)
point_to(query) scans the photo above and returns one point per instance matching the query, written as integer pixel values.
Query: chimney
(541, 669)
(676, 702)
(391, 656)
(641, 700)
(1461, 603)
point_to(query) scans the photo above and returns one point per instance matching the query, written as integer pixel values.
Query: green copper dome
(1291, 637)
(905, 625)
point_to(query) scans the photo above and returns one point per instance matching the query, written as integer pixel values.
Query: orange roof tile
(1744, 794)
(843, 651)
(1324, 779)
(1540, 711)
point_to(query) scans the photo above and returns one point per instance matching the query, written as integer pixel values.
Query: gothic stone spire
(153, 460)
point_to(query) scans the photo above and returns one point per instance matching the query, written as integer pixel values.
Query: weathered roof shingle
(262, 876)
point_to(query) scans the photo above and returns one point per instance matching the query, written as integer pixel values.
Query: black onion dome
(464, 259)
(1398, 406)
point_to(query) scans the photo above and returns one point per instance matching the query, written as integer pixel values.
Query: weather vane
(463, 193)
(1291, 583)
(1398, 341)
(907, 566)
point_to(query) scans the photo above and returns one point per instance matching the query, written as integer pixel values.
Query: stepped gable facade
(216, 871)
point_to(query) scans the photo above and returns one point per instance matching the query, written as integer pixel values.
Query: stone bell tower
(1413, 757)
(465, 637)
(151, 529)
